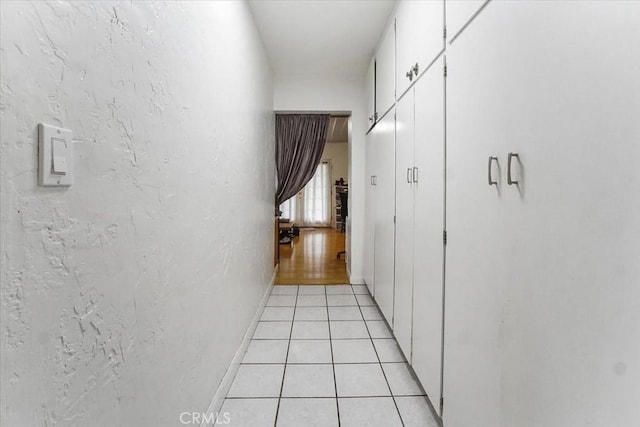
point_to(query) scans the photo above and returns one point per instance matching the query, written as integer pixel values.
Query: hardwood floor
(312, 259)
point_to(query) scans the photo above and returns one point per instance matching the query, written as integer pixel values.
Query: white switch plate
(55, 151)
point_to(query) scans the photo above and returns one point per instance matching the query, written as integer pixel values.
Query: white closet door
(369, 235)
(428, 31)
(570, 102)
(428, 253)
(385, 72)
(404, 223)
(385, 210)
(475, 259)
(405, 58)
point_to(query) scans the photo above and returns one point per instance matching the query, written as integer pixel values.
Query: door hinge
(395, 22)
(394, 219)
(441, 405)
(444, 237)
(444, 32)
(445, 70)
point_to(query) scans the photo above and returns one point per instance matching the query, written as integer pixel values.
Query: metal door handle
(509, 180)
(491, 181)
(410, 74)
(409, 177)
(415, 174)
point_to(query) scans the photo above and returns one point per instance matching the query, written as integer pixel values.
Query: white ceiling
(322, 37)
(338, 129)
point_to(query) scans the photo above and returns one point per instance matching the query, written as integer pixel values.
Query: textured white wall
(335, 93)
(125, 295)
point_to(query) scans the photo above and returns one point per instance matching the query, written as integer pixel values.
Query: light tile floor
(323, 356)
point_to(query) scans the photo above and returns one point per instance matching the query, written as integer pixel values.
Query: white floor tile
(360, 290)
(388, 350)
(284, 290)
(266, 351)
(308, 381)
(281, 301)
(277, 313)
(344, 313)
(310, 351)
(312, 301)
(310, 330)
(371, 313)
(341, 300)
(401, 380)
(359, 380)
(308, 412)
(415, 412)
(248, 413)
(311, 313)
(353, 351)
(370, 411)
(339, 290)
(272, 330)
(348, 329)
(257, 381)
(311, 290)
(365, 300)
(378, 329)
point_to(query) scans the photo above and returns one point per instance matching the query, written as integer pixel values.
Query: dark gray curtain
(300, 140)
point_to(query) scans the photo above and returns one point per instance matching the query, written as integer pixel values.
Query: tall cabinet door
(428, 252)
(475, 261)
(385, 210)
(404, 223)
(571, 341)
(369, 214)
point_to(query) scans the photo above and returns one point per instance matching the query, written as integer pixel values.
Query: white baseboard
(227, 380)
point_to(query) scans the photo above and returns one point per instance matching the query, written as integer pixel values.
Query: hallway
(323, 356)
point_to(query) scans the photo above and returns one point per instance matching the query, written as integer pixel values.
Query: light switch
(55, 152)
(59, 156)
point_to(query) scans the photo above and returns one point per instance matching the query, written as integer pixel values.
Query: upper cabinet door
(370, 93)
(419, 39)
(404, 46)
(385, 72)
(459, 13)
(428, 32)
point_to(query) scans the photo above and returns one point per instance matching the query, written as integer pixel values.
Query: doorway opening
(312, 232)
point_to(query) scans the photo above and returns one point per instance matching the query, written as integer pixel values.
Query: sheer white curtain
(312, 206)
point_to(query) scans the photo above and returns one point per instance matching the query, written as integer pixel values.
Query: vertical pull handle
(509, 180)
(415, 174)
(491, 181)
(409, 177)
(371, 180)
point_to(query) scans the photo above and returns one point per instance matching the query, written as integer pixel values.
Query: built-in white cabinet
(385, 81)
(419, 39)
(420, 216)
(542, 298)
(459, 15)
